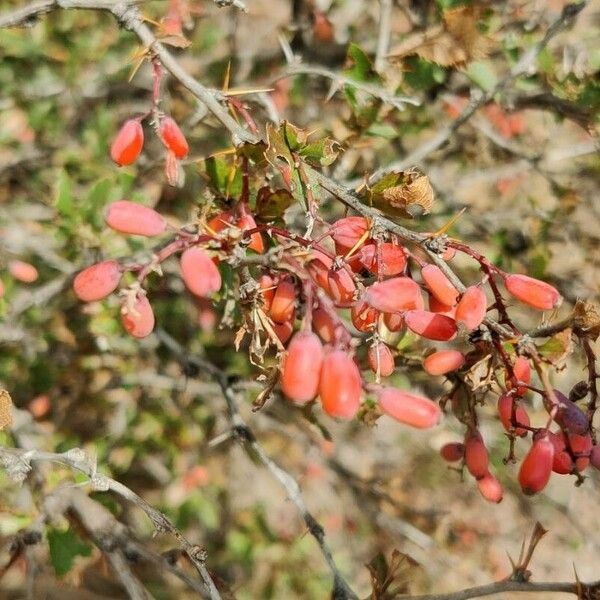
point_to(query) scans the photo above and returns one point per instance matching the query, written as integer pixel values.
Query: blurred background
(525, 168)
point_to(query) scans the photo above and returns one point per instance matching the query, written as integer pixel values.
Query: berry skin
(341, 287)
(138, 320)
(581, 445)
(246, 223)
(363, 317)
(98, 281)
(324, 325)
(340, 385)
(394, 321)
(489, 487)
(395, 295)
(393, 259)
(452, 452)
(135, 219)
(444, 361)
(267, 291)
(319, 273)
(431, 325)
(439, 285)
(22, 271)
(443, 309)
(562, 462)
(173, 138)
(301, 369)
(284, 330)
(569, 416)
(128, 142)
(476, 455)
(199, 273)
(410, 409)
(522, 371)
(536, 468)
(505, 403)
(472, 307)
(284, 302)
(347, 232)
(380, 355)
(532, 292)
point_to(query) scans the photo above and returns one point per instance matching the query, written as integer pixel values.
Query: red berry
(569, 416)
(138, 319)
(98, 281)
(444, 361)
(284, 330)
(472, 307)
(452, 452)
(127, 145)
(267, 290)
(476, 455)
(393, 259)
(443, 309)
(595, 457)
(431, 325)
(347, 232)
(324, 325)
(341, 287)
(439, 285)
(522, 372)
(505, 405)
(246, 223)
(22, 271)
(319, 273)
(199, 273)
(363, 317)
(340, 386)
(219, 222)
(381, 359)
(536, 468)
(395, 295)
(532, 292)
(562, 463)
(413, 410)
(173, 138)
(581, 445)
(284, 302)
(394, 321)
(489, 487)
(301, 368)
(135, 219)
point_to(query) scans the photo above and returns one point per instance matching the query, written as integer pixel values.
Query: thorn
(449, 224)
(227, 77)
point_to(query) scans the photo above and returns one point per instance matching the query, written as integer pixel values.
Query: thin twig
(385, 33)
(246, 438)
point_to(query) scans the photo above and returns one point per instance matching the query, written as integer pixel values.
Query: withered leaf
(586, 316)
(557, 348)
(481, 374)
(405, 194)
(177, 41)
(5, 409)
(455, 42)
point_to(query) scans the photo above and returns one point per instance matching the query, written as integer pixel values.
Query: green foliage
(65, 546)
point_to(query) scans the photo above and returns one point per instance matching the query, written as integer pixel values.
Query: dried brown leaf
(586, 316)
(5, 409)
(481, 374)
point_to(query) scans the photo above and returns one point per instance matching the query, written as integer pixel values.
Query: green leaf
(482, 74)
(320, 153)
(65, 546)
(360, 66)
(219, 172)
(271, 205)
(65, 203)
(422, 74)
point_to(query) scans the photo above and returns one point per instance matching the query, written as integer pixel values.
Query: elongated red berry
(284, 330)
(267, 291)
(581, 446)
(135, 219)
(452, 452)
(476, 455)
(439, 285)
(443, 309)
(381, 359)
(536, 468)
(199, 273)
(393, 259)
(431, 325)
(301, 370)
(128, 142)
(533, 292)
(173, 138)
(246, 223)
(284, 302)
(138, 319)
(340, 385)
(472, 307)
(444, 361)
(341, 287)
(394, 321)
(395, 295)
(347, 232)
(489, 487)
(363, 316)
(562, 463)
(324, 325)
(22, 271)
(98, 281)
(319, 273)
(505, 408)
(410, 409)
(522, 373)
